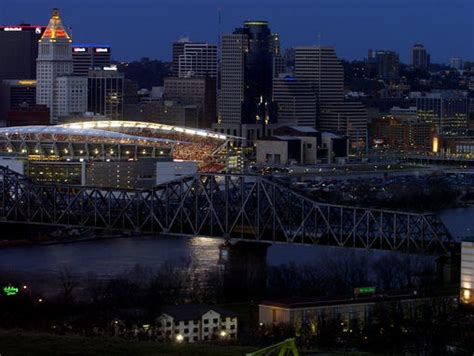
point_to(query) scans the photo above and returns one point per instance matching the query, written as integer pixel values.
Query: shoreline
(35, 242)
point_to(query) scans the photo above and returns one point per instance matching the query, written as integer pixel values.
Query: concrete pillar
(244, 267)
(448, 267)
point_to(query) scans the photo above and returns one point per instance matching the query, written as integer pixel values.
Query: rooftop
(118, 125)
(306, 129)
(193, 311)
(296, 303)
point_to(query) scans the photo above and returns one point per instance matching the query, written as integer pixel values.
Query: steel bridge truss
(230, 206)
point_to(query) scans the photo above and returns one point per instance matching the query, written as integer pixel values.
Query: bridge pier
(449, 268)
(244, 267)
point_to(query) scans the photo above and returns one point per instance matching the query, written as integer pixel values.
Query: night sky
(146, 28)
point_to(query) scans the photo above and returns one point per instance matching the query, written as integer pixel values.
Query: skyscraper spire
(55, 32)
(56, 88)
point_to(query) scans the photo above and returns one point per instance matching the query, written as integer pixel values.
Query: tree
(68, 285)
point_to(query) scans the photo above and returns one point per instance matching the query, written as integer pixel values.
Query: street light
(179, 338)
(223, 333)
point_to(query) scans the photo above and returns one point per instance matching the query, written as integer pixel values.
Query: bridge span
(241, 207)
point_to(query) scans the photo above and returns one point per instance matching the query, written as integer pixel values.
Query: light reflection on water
(112, 256)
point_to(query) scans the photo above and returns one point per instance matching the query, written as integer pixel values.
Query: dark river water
(109, 257)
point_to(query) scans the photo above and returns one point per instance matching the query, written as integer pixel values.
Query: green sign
(10, 290)
(364, 290)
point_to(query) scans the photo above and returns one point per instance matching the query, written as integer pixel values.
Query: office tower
(385, 63)
(27, 114)
(105, 92)
(456, 63)
(87, 57)
(18, 51)
(279, 66)
(246, 77)
(169, 113)
(295, 101)
(348, 118)
(192, 59)
(420, 57)
(322, 69)
(56, 88)
(178, 51)
(233, 49)
(14, 93)
(289, 58)
(72, 97)
(402, 133)
(447, 109)
(200, 92)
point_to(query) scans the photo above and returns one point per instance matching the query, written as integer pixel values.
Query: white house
(196, 322)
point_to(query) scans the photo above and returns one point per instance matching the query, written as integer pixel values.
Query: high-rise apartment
(456, 63)
(385, 63)
(18, 51)
(420, 57)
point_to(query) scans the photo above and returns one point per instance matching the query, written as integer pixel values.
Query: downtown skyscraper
(18, 51)
(63, 93)
(247, 58)
(320, 67)
(194, 59)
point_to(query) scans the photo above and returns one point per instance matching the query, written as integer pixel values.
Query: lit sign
(12, 29)
(27, 82)
(38, 30)
(364, 290)
(78, 49)
(435, 144)
(10, 290)
(101, 50)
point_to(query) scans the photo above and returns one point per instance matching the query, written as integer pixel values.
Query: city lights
(177, 204)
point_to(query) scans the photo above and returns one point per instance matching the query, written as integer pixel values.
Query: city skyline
(445, 30)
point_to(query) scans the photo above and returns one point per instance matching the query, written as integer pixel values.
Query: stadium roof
(139, 125)
(76, 131)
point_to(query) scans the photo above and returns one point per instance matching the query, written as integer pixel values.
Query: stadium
(82, 152)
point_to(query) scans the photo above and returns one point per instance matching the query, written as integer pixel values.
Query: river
(105, 258)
